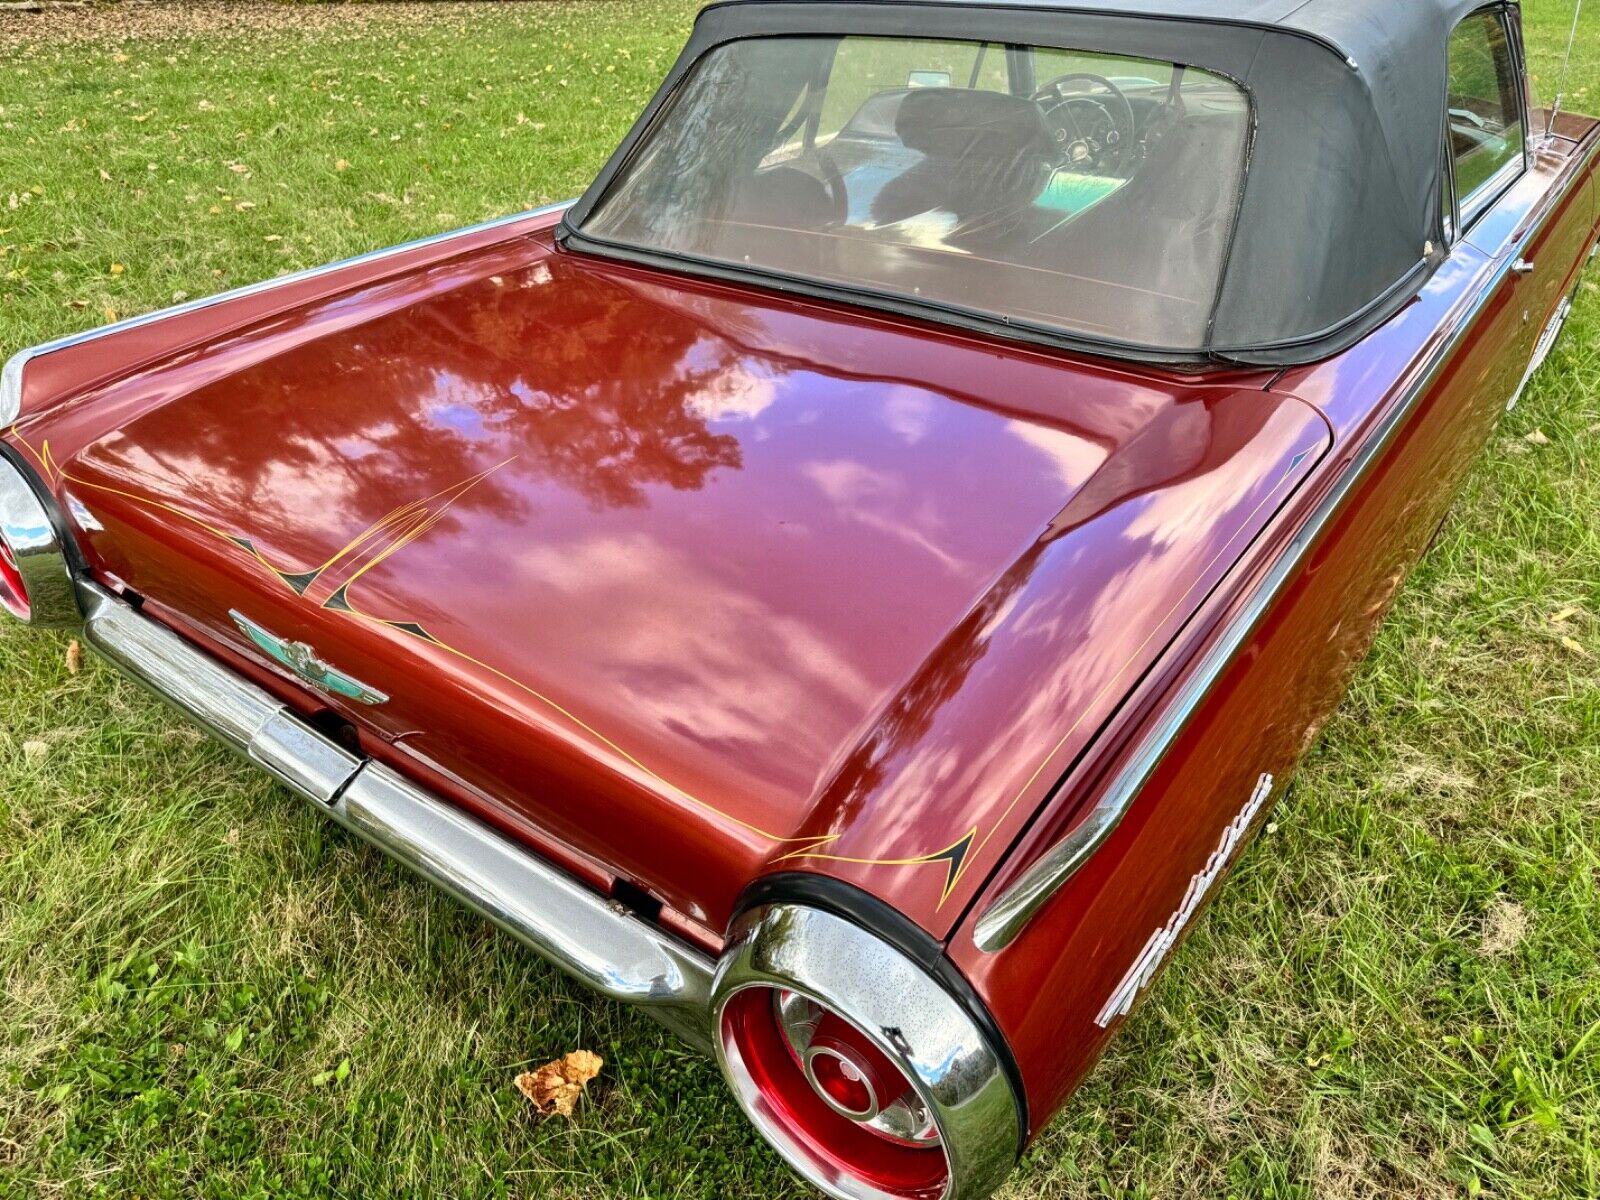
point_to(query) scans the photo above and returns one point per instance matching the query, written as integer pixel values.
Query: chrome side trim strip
(590, 938)
(920, 1027)
(1004, 919)
(11, 384)
(11, 374)
(202, 689)
(29, 537)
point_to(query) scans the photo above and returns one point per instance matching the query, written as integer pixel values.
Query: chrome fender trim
(597, 942)
(892, 1000)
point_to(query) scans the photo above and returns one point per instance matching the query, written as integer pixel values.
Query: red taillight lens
(836, 1092)
(13, 592)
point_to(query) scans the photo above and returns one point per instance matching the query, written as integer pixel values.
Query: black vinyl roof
(1340, 220)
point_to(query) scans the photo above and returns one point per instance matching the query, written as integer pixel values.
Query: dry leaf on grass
(555, 1087)
(74, 657)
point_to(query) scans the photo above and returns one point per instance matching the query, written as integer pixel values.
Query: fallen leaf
(117, 268)
(105, 176)
(1537, 437)
(555, 1087)
(238, 168)
(110, 314)
(342, 165)
(74, 657)
(1566, 614)
(1575, 646)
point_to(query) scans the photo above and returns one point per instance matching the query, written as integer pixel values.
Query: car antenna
(1561, 87)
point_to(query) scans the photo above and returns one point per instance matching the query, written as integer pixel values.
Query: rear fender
(37, 380)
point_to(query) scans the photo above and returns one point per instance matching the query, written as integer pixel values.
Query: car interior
(1101, 199)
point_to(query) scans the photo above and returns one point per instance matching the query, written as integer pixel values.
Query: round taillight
(837, 1094)
(869, 1072)
(36, 584)
(13, 591)
(853, 1077)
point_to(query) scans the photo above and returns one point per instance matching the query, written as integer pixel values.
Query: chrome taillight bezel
(908, 1015)
(35, 548)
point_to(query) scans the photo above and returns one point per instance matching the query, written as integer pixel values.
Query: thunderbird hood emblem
(303, 661)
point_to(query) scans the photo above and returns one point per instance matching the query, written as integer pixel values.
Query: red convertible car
(851, 583)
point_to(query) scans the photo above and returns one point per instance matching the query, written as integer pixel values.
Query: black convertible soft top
(1340, 222)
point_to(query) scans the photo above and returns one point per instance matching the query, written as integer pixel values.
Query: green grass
(205, 991)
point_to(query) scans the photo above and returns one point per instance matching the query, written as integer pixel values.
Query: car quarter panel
(1460, 350)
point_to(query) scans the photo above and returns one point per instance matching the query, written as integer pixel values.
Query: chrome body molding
(1008, 915)
(906, 1014)
(587, 936)
(35, 543)
(11, 374)
(596, 942)
(1541, 351)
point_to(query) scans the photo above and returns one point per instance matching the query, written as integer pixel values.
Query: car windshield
(1075, 193)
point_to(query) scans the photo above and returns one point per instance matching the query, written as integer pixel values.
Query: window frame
(1466, 211)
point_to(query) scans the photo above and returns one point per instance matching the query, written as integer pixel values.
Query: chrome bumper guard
(596, 941)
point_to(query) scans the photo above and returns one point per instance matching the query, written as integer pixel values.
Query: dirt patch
(143, 20)
(1504, 928)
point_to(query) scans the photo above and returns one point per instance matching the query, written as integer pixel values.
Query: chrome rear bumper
(594, 940)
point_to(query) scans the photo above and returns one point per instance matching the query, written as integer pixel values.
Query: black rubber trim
(935, 312)
(70, 550)
(905, 935)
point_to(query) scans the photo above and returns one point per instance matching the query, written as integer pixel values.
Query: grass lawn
(206, 991)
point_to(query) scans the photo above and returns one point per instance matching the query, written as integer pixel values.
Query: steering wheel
(833, 184)
(1095, 131)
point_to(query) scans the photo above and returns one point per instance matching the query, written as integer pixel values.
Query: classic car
(851, 583)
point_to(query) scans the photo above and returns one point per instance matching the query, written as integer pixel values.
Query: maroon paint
(1047, 988)
(742, 576)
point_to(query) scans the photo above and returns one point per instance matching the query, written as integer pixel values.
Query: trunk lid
(698, 582)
